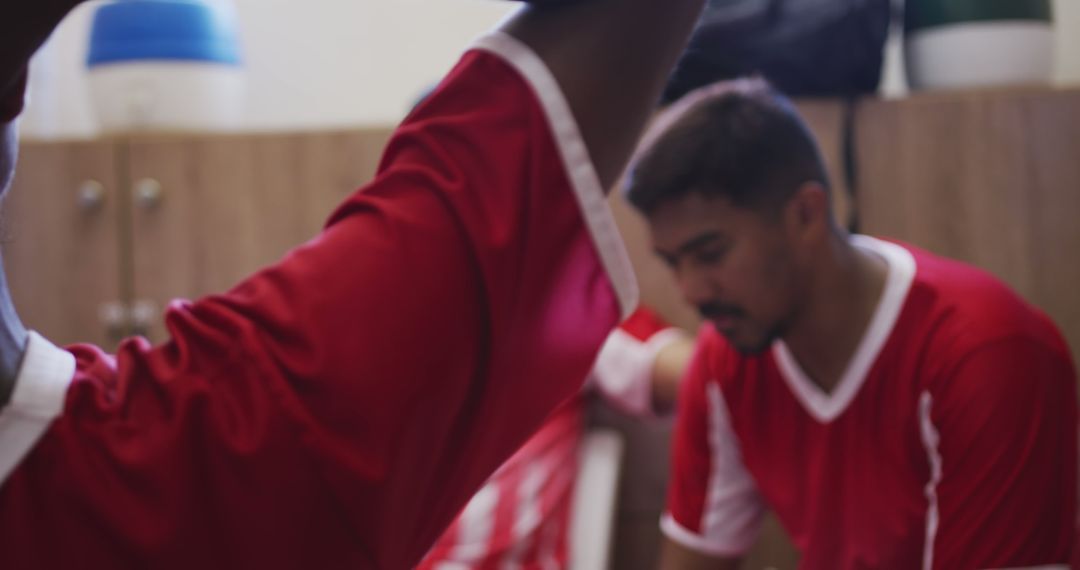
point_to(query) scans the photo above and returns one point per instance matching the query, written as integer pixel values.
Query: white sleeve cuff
(623, 371)
(39, 396)
(709, 547)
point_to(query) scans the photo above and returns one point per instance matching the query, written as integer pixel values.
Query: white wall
(311, 63)
(352, 61)
(1068, 37)
(340, 63)
(1067, 15)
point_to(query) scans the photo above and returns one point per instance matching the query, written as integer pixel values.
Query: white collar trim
(826, 407)
(39, 395)
(576, 160)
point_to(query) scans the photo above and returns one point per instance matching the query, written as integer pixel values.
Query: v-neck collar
(827, 406)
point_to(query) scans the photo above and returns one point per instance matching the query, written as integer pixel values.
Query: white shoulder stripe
(733, 509)
(732, 514)
(680, 534)
(930, 439)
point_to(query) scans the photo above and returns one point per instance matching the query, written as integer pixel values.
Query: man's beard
(714, 311)
(757, 348)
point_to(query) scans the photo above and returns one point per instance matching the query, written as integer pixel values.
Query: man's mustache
(720, 310)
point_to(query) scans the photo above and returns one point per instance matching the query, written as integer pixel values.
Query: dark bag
(808, 48)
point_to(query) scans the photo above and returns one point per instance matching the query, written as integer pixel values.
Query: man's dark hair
(740, 140)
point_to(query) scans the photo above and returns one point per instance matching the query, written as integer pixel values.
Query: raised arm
(371, 380)
(612, 59)
(24, 26)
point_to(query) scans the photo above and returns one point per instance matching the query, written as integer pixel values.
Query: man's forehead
(689, 212)
(676, 239)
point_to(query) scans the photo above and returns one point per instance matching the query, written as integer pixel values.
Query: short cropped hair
(741, 140)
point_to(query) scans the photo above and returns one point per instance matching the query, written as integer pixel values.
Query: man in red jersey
(521, 518)
(339, 408)
(895, 409)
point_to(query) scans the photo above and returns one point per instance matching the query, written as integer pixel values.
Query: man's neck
(13, 339)
(845, 295)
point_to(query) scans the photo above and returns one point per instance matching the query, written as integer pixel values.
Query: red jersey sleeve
(623, 372)
(713, 505)
(1001, 433)
(339, 408)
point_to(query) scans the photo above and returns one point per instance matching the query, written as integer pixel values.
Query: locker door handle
(148, 193)
(90, 196)
(114, 315)
(143, 313)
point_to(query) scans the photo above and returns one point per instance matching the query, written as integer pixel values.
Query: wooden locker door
(60, 243)
(990, 178)
(210, 210)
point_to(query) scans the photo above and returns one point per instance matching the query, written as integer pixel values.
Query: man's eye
(710, 256)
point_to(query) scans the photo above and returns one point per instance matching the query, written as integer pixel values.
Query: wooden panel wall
(60, 247)
(991, 178)
(231, 205)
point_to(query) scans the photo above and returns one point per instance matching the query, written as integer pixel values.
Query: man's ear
(808, 213)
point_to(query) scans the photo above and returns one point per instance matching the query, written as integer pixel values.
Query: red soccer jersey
(949, 443)
(338, 409)
(520, 519)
